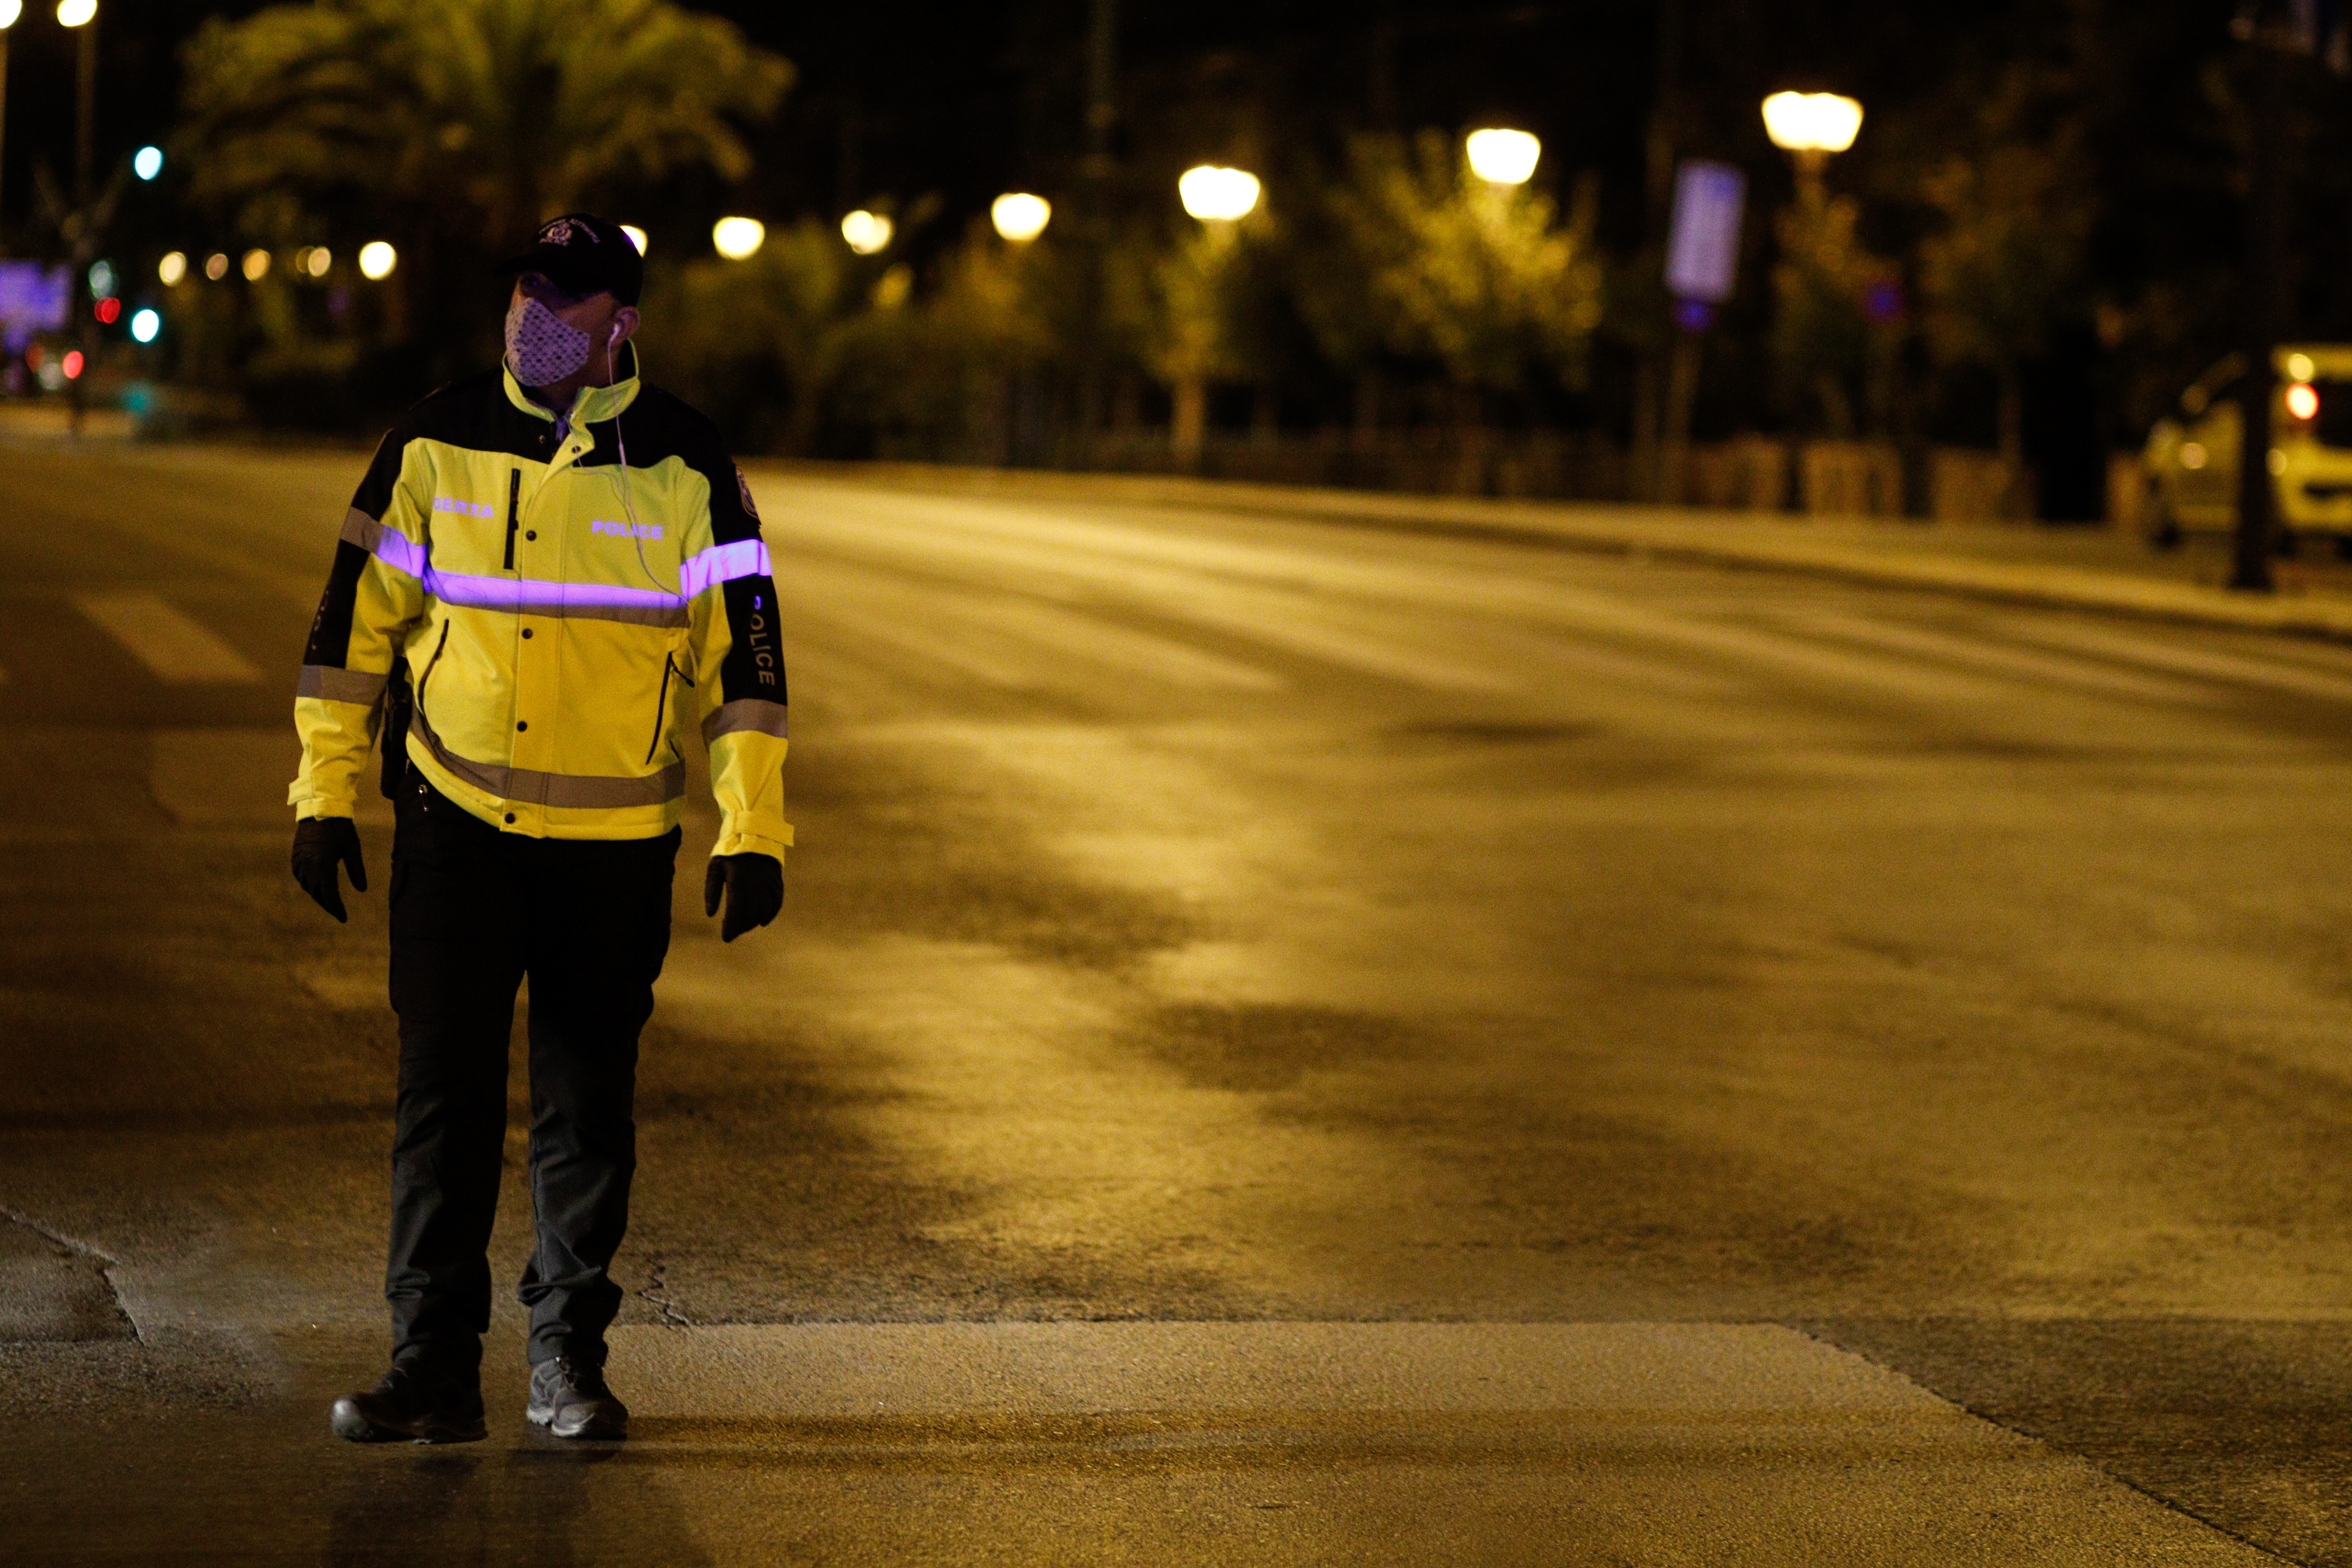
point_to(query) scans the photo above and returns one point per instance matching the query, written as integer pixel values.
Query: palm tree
(485, 115)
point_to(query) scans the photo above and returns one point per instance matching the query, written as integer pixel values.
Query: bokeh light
(145, 324)
(255, 265)
(1020, 216)
(1502, 157)
(866, 232)
(738, 239)
(636, 236)
(377, 259)
(1812, 121)
(173, 268)
(1217, 194)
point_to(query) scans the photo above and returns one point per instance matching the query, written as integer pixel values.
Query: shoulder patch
(743, 488)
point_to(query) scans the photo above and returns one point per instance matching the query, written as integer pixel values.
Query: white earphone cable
(636, 534)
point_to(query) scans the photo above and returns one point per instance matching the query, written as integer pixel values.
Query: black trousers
(473, 911)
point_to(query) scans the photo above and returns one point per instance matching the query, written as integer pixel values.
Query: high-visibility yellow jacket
(566, 619)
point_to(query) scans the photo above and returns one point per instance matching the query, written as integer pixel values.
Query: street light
(147, 162)
(9, 11)
(1812, 123)
(173, 268)
(1020, 216)
(1809, 127)
(376, 261)
(866, 232)
(738, 239)
(256, 266)
(636, 236)
(1502, 157)
(74, 13)
(1217, 195)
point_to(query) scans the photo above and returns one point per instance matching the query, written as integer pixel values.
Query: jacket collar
(594, 405)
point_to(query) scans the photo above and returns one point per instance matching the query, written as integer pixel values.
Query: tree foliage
(1822, 329)
(506, 111)
(1478, 277)
(2007, 259)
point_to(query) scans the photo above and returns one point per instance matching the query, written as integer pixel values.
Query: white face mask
(541, 348)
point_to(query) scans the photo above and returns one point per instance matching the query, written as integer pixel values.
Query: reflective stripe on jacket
(566, 620)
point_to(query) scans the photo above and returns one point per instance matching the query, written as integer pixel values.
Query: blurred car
(2192, 461)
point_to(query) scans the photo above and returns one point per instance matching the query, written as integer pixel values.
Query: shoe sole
(588, 1427)
(352, 1426)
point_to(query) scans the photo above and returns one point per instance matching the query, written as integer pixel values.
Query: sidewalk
(1192, 1444)
(2084, 568)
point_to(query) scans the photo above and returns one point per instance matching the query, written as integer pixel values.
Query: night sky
(965, 100)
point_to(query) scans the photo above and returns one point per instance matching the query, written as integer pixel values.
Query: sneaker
(413, 1404)
(570, 1398)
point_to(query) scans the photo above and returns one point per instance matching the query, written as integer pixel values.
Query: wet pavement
(1771, 1070)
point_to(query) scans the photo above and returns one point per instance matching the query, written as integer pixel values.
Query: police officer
(551, 576)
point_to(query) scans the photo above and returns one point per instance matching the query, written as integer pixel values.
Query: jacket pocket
(425, 680)
(661, 708)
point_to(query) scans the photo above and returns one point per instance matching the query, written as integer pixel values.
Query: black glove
(755, 891)
(322, 844)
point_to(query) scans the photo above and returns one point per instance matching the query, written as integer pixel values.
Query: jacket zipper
(430, 666)
(514, 501)
(661, 709)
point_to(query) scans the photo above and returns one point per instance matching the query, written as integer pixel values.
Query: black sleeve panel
(663, 425)
(330, 629)
(374, 493)
(754, 664)
(731, 517)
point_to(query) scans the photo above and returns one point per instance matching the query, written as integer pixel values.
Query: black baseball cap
(583, 254)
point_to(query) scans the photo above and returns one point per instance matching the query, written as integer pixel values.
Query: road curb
(1735, 541)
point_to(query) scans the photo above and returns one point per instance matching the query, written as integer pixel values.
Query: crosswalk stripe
(1278, 617)
(1027, 624)
(1089, 636)
(168, 643)
(1745, 647)
(2203, 663)
(870, 628)
(1999, 658)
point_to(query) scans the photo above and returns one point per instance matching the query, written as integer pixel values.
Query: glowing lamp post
(738, 239)
(1502, 157)
(866, 233)
(10, 10)
(1215, 194)
(1220, 198)
(1809, 127)
(78, 14)
(1019, 217)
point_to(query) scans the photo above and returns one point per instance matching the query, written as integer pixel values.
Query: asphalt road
(1288, 1042)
